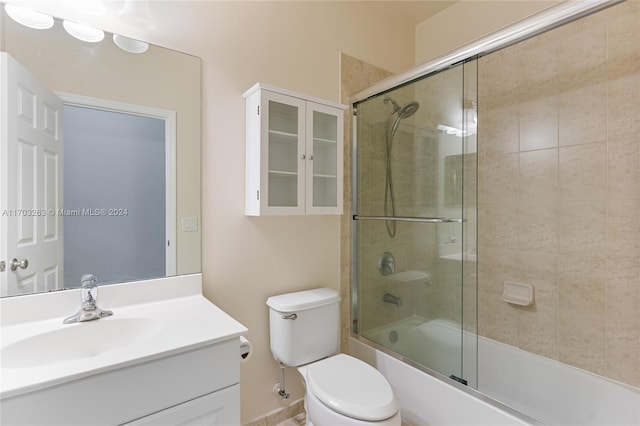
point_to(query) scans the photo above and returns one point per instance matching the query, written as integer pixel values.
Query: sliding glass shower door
(414, 286)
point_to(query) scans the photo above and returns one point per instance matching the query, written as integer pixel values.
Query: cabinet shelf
(285, 134)
(325, 141)
(282, 173)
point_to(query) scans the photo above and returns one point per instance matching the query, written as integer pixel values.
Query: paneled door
(31, 242)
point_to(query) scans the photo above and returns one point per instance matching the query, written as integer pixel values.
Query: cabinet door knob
(304, 156)
(311, 157)
(3, 265)
(15, 264)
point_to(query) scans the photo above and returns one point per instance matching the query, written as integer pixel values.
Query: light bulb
(83, 32)
(29, 18)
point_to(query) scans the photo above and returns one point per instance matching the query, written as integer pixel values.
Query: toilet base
(319, 414)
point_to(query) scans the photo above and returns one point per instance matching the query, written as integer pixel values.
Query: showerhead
(408, 110)
(403, 111)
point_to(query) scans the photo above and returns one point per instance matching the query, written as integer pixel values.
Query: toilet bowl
(342, 390)
(304, 330)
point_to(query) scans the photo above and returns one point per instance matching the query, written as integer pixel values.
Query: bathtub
(547, 391)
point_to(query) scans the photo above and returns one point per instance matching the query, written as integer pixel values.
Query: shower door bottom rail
(411, 219)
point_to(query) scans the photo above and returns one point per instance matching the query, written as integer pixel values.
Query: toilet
(340, 389)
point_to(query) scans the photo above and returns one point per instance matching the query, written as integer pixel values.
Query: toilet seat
(352, 388)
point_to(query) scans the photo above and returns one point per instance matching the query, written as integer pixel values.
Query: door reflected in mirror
(101, 159)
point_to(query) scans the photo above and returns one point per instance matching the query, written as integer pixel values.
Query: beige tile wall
(411, 244)
(355, 75)
(559, 194)
(415, 246)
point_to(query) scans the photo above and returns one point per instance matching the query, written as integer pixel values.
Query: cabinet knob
(304, 156)
(311, 157)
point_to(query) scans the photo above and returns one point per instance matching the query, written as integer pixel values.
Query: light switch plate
(189, 224)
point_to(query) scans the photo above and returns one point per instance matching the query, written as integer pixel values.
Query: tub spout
(390, 298)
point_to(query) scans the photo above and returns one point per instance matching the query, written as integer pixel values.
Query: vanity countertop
(171, 325)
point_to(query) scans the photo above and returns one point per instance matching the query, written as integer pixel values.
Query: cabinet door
(221, 408)
(324, 142)
(283, 157)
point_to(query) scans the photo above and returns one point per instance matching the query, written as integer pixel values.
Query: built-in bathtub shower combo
(496, 216)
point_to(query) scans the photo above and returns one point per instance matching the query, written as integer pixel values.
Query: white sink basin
(72, 342)
(152, 320)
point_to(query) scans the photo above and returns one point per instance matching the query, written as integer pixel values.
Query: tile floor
(299, 420)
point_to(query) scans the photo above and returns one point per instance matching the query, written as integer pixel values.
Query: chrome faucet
(390, 298)
(89, 309)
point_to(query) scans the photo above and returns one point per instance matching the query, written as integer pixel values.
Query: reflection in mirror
(454, 165)
(99, 164)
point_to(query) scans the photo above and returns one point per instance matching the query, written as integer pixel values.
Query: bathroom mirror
(108, 180)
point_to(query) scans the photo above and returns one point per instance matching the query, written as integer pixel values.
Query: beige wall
(469, 20)
(295, 45)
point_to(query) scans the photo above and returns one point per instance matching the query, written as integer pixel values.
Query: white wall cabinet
(294, 161)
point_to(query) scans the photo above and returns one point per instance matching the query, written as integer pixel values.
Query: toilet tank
(304, 326)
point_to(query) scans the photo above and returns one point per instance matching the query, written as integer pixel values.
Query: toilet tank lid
(302, 300)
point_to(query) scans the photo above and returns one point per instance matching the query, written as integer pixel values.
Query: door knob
(15, 264)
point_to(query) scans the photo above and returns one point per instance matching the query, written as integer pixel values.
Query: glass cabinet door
(285, 162)
(324, 165)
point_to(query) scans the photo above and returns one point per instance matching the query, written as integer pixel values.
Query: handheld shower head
(403, 111)
(408, 110)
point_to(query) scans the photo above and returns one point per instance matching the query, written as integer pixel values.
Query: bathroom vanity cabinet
(197, 385)
(294, 156)
(167, 356)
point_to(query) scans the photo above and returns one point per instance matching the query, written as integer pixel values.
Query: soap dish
(518, 293)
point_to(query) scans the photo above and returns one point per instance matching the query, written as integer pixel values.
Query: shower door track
(411, 219)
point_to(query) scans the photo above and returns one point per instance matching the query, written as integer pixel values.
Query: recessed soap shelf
(521, 294)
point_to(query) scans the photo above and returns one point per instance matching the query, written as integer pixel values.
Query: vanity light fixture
(83, 32)
(29, 18)
(468, 125)
(129, 44)
(454, 131)
(471, 113)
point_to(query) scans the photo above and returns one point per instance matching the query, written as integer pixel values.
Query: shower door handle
(412, 219)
